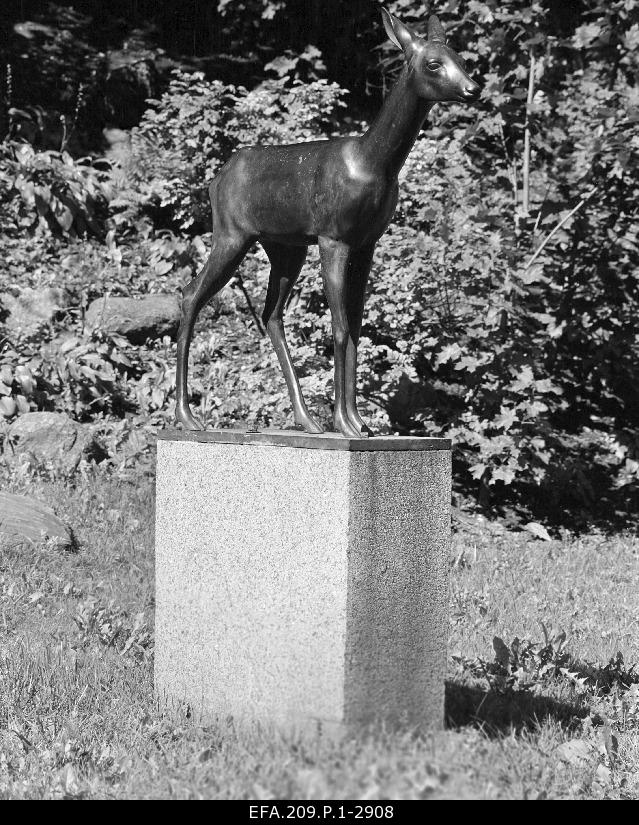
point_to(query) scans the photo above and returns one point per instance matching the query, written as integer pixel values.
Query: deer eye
(434, 65)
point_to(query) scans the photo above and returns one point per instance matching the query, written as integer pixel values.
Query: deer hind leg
(286, 264)
(357, 278)
(335, 257)
(229, 247)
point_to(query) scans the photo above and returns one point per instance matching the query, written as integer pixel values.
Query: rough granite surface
(397, 602)
(299, 586)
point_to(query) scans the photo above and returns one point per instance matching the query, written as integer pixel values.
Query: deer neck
(394, 131)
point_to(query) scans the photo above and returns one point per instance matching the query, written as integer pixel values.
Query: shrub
(51, 192)
(193, 129)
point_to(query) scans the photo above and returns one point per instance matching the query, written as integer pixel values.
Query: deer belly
(281, 213)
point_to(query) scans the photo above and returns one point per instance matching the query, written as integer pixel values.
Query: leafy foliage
(548, 367)
(503, 302)
(52, 191)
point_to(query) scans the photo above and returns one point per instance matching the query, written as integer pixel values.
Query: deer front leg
(334, 256)
(359, 268)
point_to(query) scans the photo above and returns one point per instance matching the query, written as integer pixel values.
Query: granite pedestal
(302, 581)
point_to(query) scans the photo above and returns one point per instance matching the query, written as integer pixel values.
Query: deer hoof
(185, 417)
(309, 425)
(361, 427)
(359, 424)
(345, 428)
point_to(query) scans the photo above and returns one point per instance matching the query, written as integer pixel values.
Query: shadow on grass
(579, 492)
(498, 712)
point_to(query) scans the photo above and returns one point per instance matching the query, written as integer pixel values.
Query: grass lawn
(536, 708)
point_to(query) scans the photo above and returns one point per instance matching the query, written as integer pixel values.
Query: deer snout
(471, 91)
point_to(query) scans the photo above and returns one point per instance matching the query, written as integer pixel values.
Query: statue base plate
(302, 440)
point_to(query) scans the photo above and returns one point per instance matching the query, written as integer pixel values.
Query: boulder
(136, 318)
(33, 308)
(28, 517)
(48, 438)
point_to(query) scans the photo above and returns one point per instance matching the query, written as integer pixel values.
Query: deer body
(339, 194)
(298, 193)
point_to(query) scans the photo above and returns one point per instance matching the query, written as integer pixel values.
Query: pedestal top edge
(306, 441)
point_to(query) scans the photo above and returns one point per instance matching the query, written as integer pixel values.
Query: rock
(33, 308)
(48, 438)
(136, 318)
(25, 516)
(538, 530)
(576, 752)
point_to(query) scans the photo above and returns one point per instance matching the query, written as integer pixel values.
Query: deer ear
(397, 32)
(436, 31)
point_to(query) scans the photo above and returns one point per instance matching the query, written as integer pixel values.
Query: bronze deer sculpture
(339, 194)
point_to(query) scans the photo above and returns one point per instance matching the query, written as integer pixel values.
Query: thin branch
(67, 132)
(541, 207)
(556, 229)
(525, 205)
(512, 162)
(63, 142)
(249, 303)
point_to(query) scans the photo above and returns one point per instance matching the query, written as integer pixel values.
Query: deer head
(437, 72)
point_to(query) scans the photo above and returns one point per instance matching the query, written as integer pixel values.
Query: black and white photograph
(319, 403)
